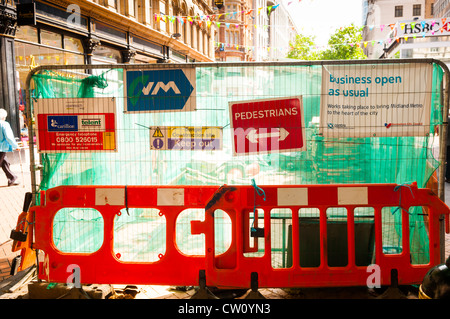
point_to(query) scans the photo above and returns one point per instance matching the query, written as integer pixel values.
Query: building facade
(98, 32)
(254, 30)
(441, 8)
(234, 34)
(422, 37)
(381, 14)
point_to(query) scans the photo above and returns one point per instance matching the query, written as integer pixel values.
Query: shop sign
(26, 13)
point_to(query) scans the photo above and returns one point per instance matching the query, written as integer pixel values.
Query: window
(162, 11)
(73, 44)
(104, 54)
(27, 33)
(416, 10)
(432, 9)
(51, 39)
(398, 11)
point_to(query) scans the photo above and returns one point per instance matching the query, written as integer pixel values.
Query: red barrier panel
(250, 233)
(235, 270)
(103, 266)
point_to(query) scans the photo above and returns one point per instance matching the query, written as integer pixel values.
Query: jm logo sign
(160, 86)
(161, 90)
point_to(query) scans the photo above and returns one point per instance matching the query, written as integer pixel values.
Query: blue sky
(322, 17)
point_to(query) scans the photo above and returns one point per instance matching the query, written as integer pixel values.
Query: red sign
(265, 126)
(76, 124)
(76, 132)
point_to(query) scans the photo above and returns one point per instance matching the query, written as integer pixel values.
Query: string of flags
(210, 19)
(365, 44)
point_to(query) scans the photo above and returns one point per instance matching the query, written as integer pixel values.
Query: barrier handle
(447, 224)
(218, 195)
(27, 201)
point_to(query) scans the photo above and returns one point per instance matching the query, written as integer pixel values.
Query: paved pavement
(11, 203)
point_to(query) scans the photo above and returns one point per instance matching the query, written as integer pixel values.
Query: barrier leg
(393, 292)
(203, 292)
(254, 293)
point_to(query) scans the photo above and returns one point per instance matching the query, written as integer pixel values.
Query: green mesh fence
(346, 160)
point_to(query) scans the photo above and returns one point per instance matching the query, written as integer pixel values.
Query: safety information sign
(186, 138)
(67, 125)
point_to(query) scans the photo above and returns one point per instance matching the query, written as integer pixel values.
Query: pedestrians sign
(269, 125)
(160, 90)
(186, 138)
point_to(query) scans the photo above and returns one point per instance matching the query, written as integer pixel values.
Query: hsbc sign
(422, 28)
(160, 90)
(265, 126)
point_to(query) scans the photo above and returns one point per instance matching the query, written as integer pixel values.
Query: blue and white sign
(160, 90)
(62, 123)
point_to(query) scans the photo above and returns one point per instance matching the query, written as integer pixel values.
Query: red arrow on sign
(269, 125)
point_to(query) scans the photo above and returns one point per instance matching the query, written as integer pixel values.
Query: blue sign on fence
(161, 90)
(62, 123)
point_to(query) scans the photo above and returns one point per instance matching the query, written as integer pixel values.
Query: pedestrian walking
(7, 144)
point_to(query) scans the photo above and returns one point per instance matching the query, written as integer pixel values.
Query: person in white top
(7, 144)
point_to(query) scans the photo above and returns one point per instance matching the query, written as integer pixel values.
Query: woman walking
(7, 144)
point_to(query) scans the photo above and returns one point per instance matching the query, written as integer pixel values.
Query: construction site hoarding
(280, 103)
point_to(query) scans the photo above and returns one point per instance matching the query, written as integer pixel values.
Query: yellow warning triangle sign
(158, 133)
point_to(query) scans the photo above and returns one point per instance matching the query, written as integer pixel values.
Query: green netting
(398, 160)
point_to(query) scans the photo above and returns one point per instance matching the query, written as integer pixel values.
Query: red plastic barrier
(232, 268)
(235, 270)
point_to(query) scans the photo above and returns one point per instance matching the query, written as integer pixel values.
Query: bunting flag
(243, 13)
(209, 20)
